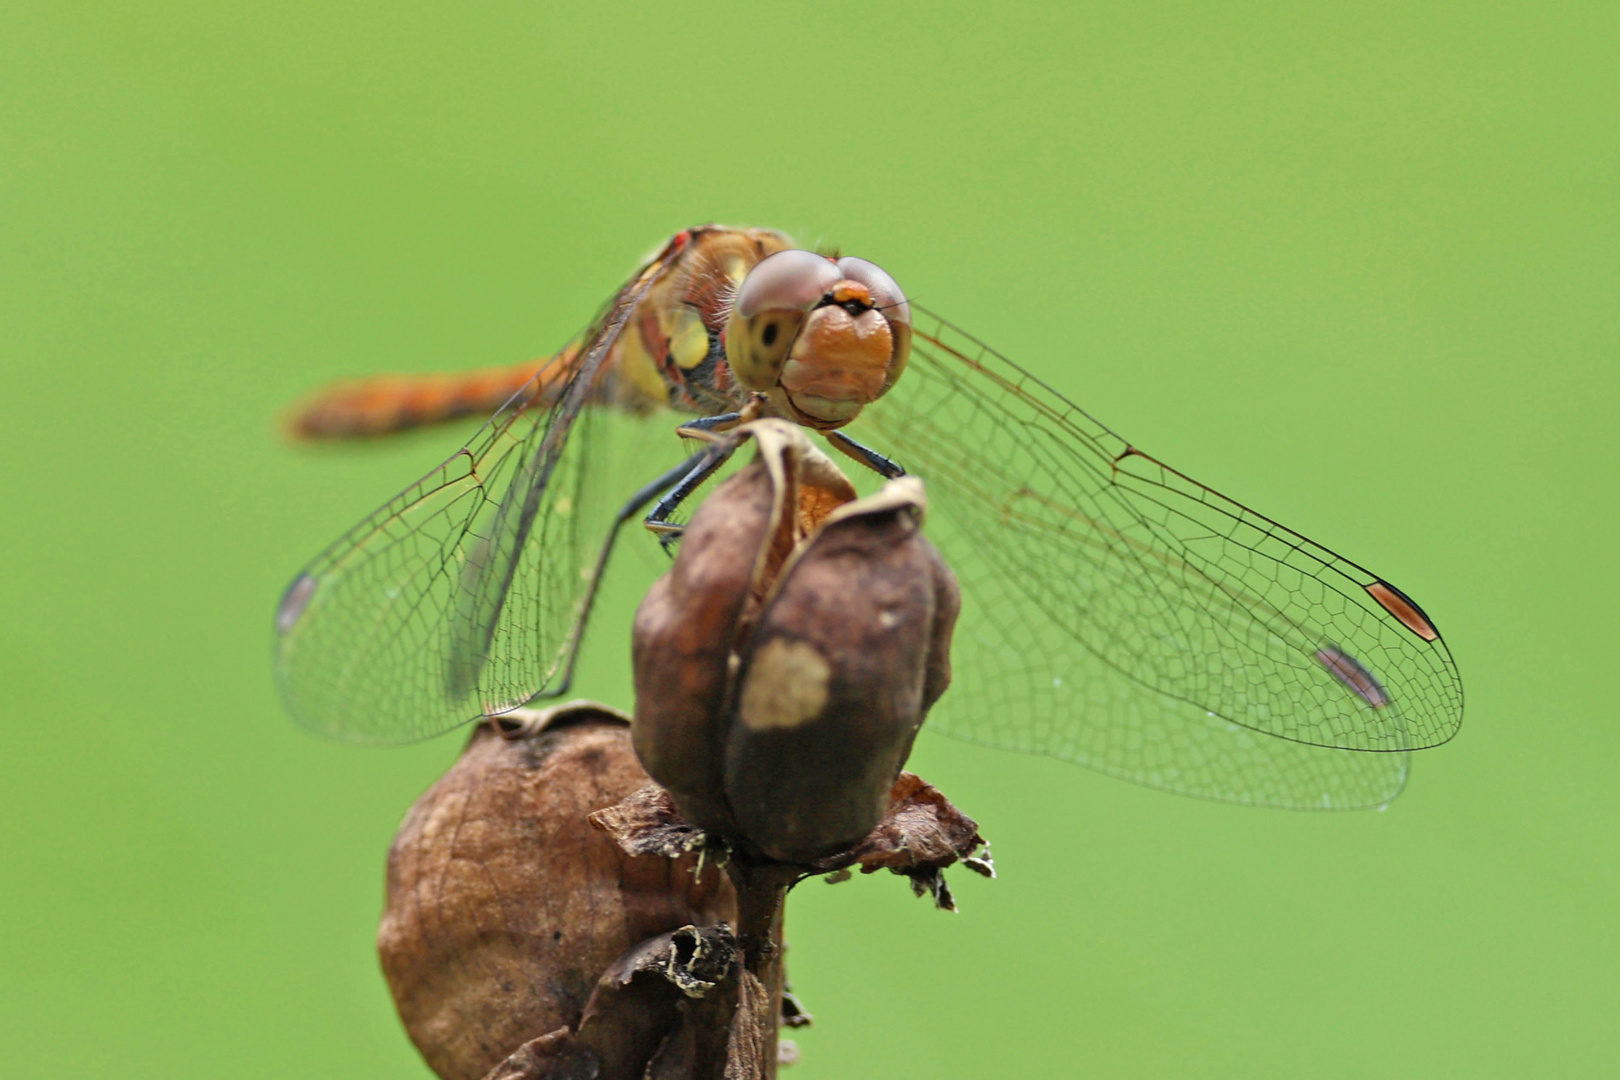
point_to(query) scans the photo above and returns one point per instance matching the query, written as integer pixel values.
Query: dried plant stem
(729, 1031)
(762, 889)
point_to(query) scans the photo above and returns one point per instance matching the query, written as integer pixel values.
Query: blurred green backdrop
(1355, 264)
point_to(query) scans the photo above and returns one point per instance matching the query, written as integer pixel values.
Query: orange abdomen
(380, 404)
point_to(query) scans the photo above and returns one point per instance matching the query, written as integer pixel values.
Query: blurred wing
(461, 596)
(1120, 615)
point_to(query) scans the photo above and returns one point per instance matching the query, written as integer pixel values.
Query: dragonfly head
(821, 338)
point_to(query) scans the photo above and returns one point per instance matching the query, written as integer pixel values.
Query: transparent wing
(463, 595)
(1121, 615)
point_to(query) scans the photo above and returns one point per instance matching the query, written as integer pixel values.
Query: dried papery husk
(504, 906)
(665, 1009)
(556, 1055)
(920, 834)
(784, 663)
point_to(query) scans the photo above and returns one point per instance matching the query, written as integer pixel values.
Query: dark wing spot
(768, 335)
(1350, 671)
(294, 601)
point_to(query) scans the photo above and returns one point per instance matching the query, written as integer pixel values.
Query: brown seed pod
(504, 906)
(686, 630)
(784, 664)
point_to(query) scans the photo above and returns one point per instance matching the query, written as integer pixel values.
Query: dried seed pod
(682, 644)
(784, 664)
(685, 632)
(846, 658)
(504, 906)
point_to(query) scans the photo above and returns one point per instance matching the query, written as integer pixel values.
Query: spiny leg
(884, 467)
(719, 451)
(703, 465)
(709, 426)
(718, 422)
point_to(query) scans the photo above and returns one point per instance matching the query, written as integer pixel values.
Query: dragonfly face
(1115, 612)
(821, 338)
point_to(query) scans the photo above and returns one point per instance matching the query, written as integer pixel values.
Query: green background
(1354, 264)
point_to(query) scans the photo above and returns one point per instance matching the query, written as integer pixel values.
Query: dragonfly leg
(718, 422)
(630, 509)
(703, 465)
(884, 467)
(712, 425)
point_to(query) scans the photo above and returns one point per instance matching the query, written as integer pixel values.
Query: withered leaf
(921, 832)
(554, 1056)
(639, 1002)
(646, 822)
(749, 1052)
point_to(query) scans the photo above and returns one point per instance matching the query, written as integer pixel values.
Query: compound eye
(886, 295)
(888, 299)
(786, 281)
(757, 347)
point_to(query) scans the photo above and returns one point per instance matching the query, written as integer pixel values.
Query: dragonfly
(1115, 612)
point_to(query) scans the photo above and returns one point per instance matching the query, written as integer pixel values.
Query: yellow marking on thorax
(688, 339)
(637, 368)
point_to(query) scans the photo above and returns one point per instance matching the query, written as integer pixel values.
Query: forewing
(461, 596)
(1121, 615)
